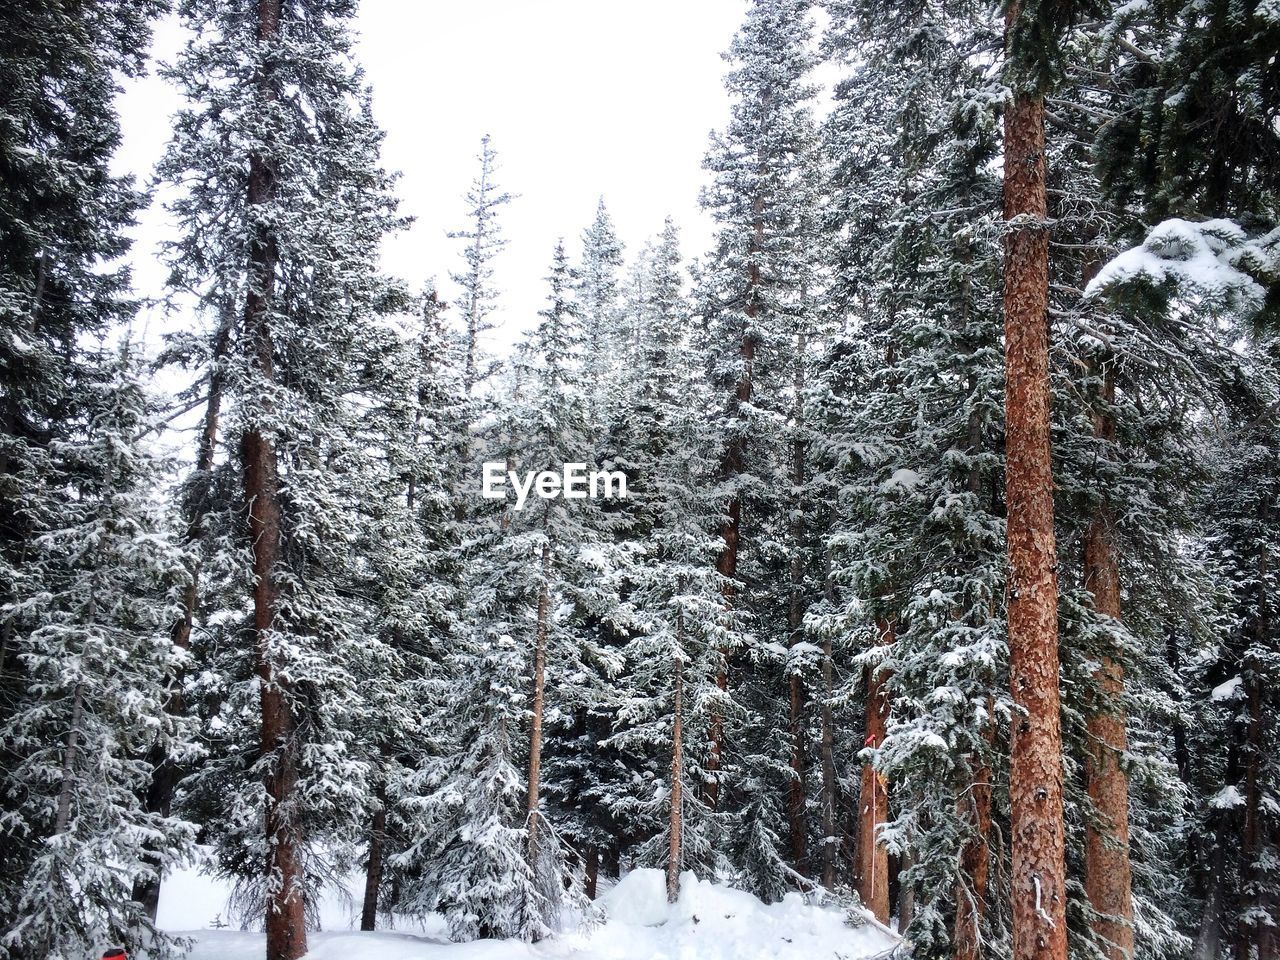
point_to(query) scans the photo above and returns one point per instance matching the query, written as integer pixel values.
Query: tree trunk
(592, 873)
(873, 797)
(539, 687)
(830, 841)
(796, 814)
(1035, 779)
(975, 858)
(286, 915)
(906, 892)
(69, 750)
(1107, 878)
(677, 772)
(373, 869)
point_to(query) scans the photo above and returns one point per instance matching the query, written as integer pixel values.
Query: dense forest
(944, 580)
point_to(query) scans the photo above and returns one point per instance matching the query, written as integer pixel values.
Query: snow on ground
(710, 922)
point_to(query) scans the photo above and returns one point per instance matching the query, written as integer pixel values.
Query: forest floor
(710, 922)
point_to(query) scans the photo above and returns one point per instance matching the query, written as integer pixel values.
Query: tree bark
(373, 869)
(1107, 877)
(539, 689)
(676, 826)
(830, 841)
(873, 797)
(286, 915)
(796, 792)
(591, 874)
(1035, 777)
(975, 858)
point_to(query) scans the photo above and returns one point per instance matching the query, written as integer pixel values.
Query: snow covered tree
(751, 296)
(484, 242)
(284, 206)
(911, 398)
(598, 296)
(99, 596)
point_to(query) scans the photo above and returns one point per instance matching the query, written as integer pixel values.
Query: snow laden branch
(1214, 262)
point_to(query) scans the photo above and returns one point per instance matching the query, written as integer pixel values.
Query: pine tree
(751, 293)
(100, 593)
(598, 294)
(484, 242)
(61, 285)
(307, 294)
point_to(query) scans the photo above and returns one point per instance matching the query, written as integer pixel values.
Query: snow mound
(713, 922)
(709, 922)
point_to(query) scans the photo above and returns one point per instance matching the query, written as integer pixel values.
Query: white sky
(583, 98)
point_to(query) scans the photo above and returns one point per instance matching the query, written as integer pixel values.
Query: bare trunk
(1107, 877)
(539, 688)
(906, 892)
(676, 826)
(975, 862)
(591, 874)
(1035, 787)
(873, 797)
(796, 818)
(830, 841)
(69, 751)
(373, 869)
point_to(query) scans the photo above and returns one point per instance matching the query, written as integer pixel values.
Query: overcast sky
(582, 98)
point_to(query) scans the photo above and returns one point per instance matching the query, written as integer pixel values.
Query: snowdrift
(710, 922)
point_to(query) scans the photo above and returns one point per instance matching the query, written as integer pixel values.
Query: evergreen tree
(99, 595)
(751, 297)
(286, 206)
(484, 242)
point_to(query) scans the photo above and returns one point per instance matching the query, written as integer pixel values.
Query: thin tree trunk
(69, 751)
(830, 842)
(906, 892)
(873, 797)
(676, 827)
(796, 793)
(975, 860)
(286, 914)
(592, 873)
(373, 870)
(1035, 787)
(1107, 878)
(539, 686)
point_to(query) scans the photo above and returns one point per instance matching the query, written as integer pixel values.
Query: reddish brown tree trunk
(830, 841)
(873, 797)
(676, 826)
(1107, 877)
(373, 870)
(1035, 776)
(286, 915)
(797, 820)
(975, 859)
(539, 690)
